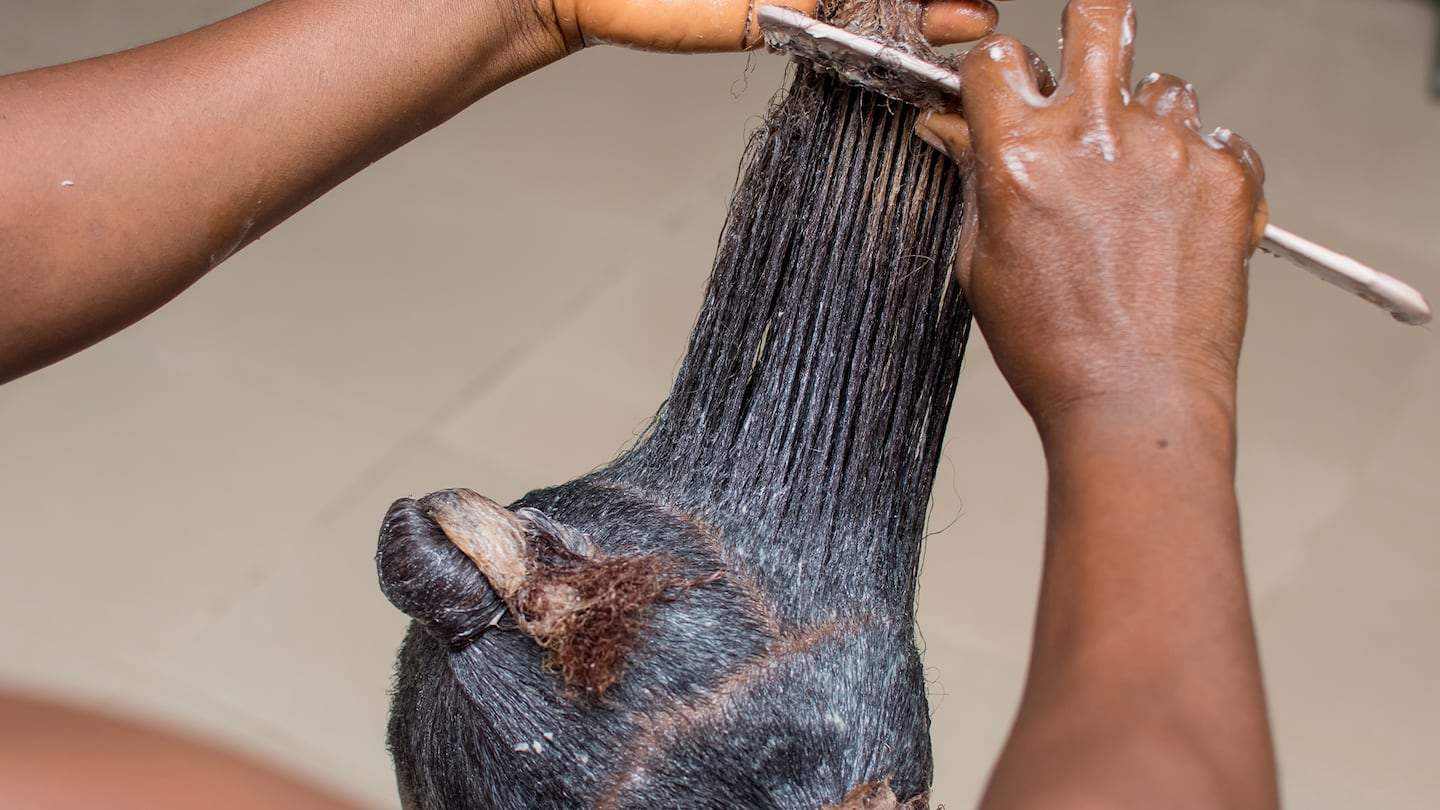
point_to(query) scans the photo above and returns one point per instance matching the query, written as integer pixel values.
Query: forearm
(131, 175)
(1144, 689)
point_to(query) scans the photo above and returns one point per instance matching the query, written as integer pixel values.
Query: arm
(1108, 272)
(1144, 688)
(130, 176)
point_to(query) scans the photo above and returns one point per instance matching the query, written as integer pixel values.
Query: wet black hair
(723, 616)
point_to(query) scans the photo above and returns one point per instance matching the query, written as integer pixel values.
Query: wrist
(1149, 419)
(545, 29)
(454, 52)
(560, 21)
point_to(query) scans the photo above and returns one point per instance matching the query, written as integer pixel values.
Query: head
(693, 694)
(723, 616)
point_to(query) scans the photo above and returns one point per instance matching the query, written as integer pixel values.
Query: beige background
(189, 510)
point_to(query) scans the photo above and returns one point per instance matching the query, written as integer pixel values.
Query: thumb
(949, 134)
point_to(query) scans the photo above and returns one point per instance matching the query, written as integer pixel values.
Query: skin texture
(1107, 265)
(132, 175)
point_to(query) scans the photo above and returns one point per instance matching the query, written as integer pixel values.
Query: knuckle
(1175, 85)
(1166, 149)
(1227, 170)
(1175, 159)
(995, 46)
(1175, 98)
(1249, 154)
(1176, 153)
(991, 55)
(1150, 81)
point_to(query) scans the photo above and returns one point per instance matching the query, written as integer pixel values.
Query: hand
(728, 25)
(1107, 252)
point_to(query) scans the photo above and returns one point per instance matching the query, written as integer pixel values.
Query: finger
(1249, 160)
(948, 133)
(1169, 97)
(946, 22)
(1099, 51)
(998, 86)
(969, 232)
(751, 36)
(671, 27)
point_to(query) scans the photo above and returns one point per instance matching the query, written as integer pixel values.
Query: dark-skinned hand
(1107, 249)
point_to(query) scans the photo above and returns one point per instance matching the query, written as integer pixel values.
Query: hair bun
(424, 575)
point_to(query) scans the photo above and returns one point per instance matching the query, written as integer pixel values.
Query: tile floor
(207, 486)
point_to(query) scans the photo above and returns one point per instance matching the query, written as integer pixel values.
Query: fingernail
(928, 136)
